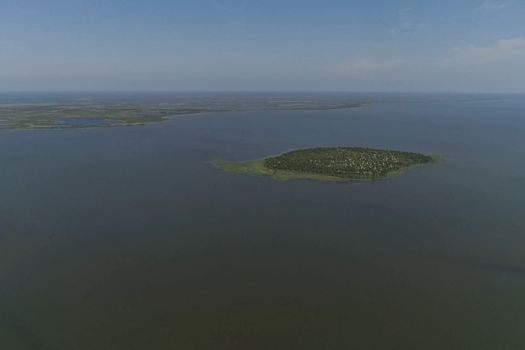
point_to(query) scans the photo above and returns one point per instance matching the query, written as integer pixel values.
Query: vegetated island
(330, 164)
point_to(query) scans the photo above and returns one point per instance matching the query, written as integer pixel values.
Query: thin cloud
(360, 65)
(407, 22)
(503, 50)
(493, 5)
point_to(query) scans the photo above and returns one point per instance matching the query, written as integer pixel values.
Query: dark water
(128, 238)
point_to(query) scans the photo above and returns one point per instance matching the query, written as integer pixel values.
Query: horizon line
(429, 92)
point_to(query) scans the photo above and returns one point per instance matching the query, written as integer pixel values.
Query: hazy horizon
(476, 46)
(248, 91)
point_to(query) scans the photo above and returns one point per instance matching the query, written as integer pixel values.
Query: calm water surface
(129, 238)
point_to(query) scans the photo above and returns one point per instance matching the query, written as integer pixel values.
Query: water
(129, 238)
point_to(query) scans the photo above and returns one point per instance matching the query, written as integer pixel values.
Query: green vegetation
(106, 114)
(84, 116)
(256, 167)
(330, 164)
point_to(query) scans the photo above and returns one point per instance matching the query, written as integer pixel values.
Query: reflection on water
(128, 238)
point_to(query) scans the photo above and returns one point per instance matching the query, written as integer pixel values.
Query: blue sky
(366, 45)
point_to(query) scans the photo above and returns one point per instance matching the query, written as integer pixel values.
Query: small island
(330, 164)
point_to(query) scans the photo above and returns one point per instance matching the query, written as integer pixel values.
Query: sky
(263, 45)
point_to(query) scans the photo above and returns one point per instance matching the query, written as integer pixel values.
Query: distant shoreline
(96, 115)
